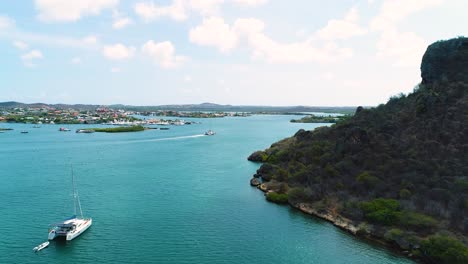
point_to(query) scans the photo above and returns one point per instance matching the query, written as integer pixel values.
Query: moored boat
(74, 226)
(41, 246)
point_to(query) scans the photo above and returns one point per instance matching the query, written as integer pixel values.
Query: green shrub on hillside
(416, 220)
(444, 249)
(404, 194)
(382, 211)
(280, 198)
(367, 179)
(297, 195)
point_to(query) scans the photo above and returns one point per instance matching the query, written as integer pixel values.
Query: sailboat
(73, 226)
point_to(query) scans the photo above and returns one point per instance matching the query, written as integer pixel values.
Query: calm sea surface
(159, 197)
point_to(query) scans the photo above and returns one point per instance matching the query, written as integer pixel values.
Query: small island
(320, 119)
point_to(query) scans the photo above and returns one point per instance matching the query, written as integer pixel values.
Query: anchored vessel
(74, 226)
(41, 246)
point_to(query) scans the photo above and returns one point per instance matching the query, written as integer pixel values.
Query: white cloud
(75, 60)
(6, 22)
(71, 10)
(393, 11)
(33, 54)
(248, 26)
(406, 48)
(162, 53)
(150, 11)
(205, 7)
(118, 52)
(20, 45)
(33, 38)
(250, 2)
(121, 23)
(214, 32)
(180, 10)
(342, 29)
(29, 57)
(297, 52)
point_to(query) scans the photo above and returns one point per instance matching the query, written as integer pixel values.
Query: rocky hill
(396, 173)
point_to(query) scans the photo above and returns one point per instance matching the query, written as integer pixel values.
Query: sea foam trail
(158, 139)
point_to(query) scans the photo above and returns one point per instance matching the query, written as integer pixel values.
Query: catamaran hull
(73, 234)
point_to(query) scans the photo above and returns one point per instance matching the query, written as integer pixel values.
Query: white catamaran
(74, 226)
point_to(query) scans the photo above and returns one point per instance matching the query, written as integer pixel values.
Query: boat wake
(160, 139)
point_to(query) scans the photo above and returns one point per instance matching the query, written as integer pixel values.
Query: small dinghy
(41, 246)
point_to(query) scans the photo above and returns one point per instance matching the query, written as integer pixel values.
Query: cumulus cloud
(71, 10)
(393, 11)
(248, 26)
(121, 23)
(33, 54)
(162, 53)
(6, 22)
(150, 11)
(214, 32)
(29, 57)
(342, 29)
(406, 48)
(298, 52)
(118, 52)
(250, 2)
(180, 10)
(205, 7)
(20, 45)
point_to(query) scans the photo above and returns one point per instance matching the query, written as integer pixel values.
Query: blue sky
(242, 52)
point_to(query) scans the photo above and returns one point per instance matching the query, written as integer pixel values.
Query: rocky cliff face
(446, 61)
(398, 172)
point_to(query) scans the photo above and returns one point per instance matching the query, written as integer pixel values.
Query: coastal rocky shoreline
(359, 230)
(395, 174)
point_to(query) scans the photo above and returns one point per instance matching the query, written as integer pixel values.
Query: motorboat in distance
(210, 133)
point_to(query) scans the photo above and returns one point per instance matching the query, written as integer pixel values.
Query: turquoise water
(160, 197)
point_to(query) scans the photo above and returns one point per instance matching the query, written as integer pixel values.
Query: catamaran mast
(76, 198)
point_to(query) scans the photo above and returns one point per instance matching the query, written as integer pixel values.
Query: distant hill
(192, 107)
(397, 173)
